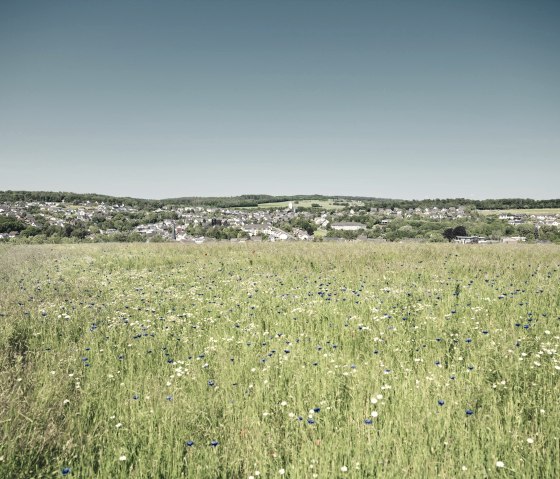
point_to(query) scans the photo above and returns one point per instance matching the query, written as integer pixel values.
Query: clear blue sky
(401, 99)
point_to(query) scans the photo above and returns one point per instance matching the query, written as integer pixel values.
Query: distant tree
(31, 231)
(459, 231)
(448, 234)
(9, 223)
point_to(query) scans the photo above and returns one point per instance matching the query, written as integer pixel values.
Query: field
(325, 204)
(294, 360)
(528, 211)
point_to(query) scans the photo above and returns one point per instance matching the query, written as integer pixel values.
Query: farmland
(325, 204)
(267, 360)
(527, 211)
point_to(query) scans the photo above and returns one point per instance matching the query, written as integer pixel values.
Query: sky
(394, 99)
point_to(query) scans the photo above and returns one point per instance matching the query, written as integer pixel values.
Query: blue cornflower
(189, 443)
(65, 471)
(135, 397)
(441, 402)
(214, 443)
(468, 340)
(310, 421)
(211, 382)
(169, 398)
(316, 409)
(368, 421)
(469, 412)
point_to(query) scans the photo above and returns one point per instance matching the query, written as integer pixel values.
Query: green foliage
(9, 223)
(304, 224)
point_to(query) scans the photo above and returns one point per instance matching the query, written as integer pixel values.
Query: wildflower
(122, 458)
(281, 471)
(500, 464)
(65, 471)
(189, 443)
(530, 440)
(118, 425)
(469, 412)
(374, 414)
(368, 421)
(214, 443)
(441, 402)
(66, 401)
(344, 469)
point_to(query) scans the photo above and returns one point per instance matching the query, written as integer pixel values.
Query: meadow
(526, 211)
(325, 204)
(279, 360)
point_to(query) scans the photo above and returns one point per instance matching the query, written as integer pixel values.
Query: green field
(270, 360)
(325, 204)
(534, 211)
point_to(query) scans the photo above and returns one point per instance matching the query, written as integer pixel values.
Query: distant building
(468, 239)
(348, 226)
(514, 239)
(254, 229)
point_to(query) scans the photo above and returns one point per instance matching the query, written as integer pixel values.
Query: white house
(348, 226)
(513, 239)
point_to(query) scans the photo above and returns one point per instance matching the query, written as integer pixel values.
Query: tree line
(254, 200)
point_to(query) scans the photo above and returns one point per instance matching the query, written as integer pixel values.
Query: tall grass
(315, 360)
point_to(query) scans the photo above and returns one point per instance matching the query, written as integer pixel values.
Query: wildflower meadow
(279, 360)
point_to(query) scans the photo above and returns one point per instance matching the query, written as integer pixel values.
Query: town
(330, 219)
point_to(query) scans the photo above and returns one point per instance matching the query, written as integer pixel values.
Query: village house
(348, 226)
(468, 239)
(255, 229)
(301, 234)
(513, 239)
